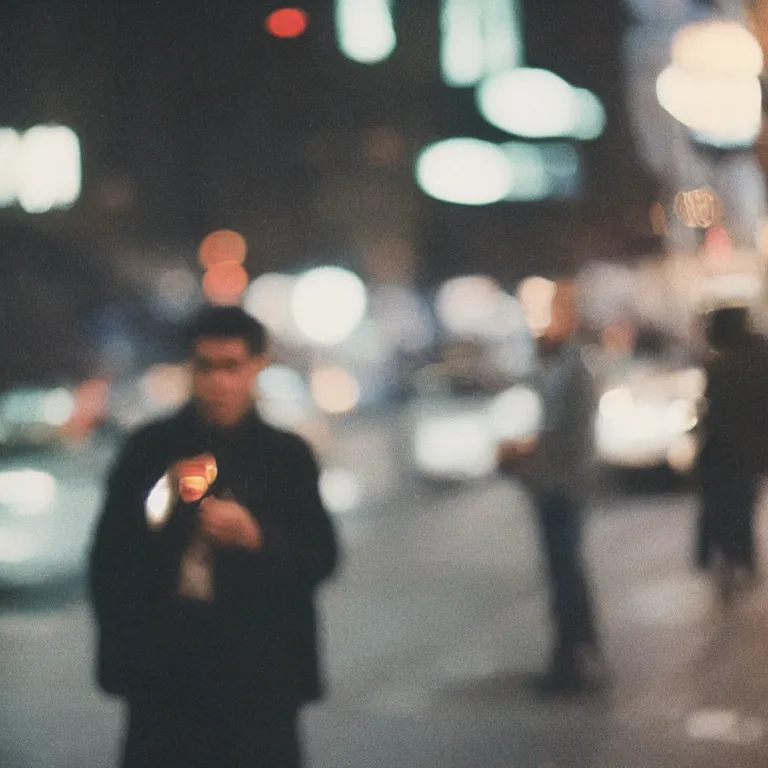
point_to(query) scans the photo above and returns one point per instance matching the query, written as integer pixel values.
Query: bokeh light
(465, 171)
(47, 169)
(335, 390)
(340, 490)
(281, 382)
(58, 407)
(474, 305)
(698, 208)
(220, 246)
(717, 47)
(478, 38)
(224, 283)
(365, 30)
(515, 413)
(287, 22)
(328, 303)
(454, 446)
(268, 299)
(538, 104)
(27, 491)
(723, 111)
(535, 295)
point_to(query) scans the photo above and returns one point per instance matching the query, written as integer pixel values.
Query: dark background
(192, 118)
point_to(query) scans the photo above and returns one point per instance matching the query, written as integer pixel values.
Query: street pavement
(433, 629)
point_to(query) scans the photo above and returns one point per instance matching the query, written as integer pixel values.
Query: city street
(434, 628)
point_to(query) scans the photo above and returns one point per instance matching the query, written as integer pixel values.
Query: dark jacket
(736, 421)
(263, 615)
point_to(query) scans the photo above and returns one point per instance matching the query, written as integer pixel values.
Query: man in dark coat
(212, 541)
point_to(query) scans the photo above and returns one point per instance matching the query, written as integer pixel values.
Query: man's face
(223, 377)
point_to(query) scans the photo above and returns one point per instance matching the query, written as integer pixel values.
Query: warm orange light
(698, 208)
(335, 390)
(287, 22)
(224, 283)
(222, 245)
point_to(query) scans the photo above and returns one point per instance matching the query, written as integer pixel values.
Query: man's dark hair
(228, 323)
(727, 326)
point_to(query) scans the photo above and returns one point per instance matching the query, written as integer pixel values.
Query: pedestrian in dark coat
(211, 544)
(735, 440)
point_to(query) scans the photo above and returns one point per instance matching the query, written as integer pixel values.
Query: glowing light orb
(717, 47)
(27, 491)
(335, 390)
(724, 111)
(340, 490)
(465, 304)
(224, 283)
(535, 295)
(464, 171)
(220, 246)
(536, 103)
(365, 30)
(58, 407)
(287, 22)
(328, 303)
(49, 168)
(268, 299)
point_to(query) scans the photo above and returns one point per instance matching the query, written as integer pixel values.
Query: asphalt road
(432, 630)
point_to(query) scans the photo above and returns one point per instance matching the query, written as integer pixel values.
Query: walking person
(211, 544)
(734, 452)
(557, 468)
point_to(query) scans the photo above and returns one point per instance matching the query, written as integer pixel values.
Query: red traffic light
(287, 22)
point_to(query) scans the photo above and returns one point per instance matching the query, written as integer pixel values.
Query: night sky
(192, 118)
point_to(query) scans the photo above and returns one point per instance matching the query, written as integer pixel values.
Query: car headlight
(27, 491)
(616, 403)
(454, 446)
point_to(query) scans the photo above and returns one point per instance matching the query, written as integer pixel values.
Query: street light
(712, 86)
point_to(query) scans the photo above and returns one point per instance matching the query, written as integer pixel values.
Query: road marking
(725, 726)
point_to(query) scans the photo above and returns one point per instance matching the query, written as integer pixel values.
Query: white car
(50, 487)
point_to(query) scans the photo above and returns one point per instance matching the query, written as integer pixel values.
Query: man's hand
(191, 478)
(228, 523)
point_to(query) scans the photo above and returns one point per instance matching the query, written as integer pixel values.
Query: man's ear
(260, 362)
